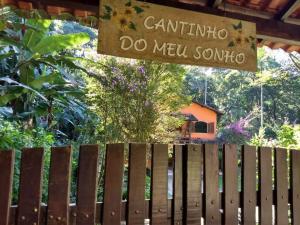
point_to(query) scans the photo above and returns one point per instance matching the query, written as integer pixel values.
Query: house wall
(202, 114)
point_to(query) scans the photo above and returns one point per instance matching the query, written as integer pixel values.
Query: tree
(138, 100)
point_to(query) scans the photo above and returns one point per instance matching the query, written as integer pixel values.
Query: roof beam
(287, 10)
(267, 28)
(214, 3)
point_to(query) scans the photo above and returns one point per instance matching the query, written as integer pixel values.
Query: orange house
(201, 122)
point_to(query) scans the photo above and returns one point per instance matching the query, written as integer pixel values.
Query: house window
(200, 127)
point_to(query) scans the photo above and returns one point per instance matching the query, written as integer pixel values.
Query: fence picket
(114, 166)
(281, 187)
(59, 186)
(193, 184)
(231, 201)
(6, 180)
(136, 184)
(212, 201)
(265, 185)
(177, 204)
(87, 185)
(159, 185)
(295, 186)
(31, 173)
(248, 185)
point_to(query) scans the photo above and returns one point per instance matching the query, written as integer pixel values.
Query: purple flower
(141, 70)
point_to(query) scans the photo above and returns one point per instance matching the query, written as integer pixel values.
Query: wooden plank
(136, 184)
(193, 184)
(295, 184)
(87, 185)
(231, 201)
(159, 185)
(265, 185)
(281, 187)
(30, 189)
(290, 7)
(6, 179)
(113, 184)
(248, 185)
(177, 204)
(211, 177)
(59, 186)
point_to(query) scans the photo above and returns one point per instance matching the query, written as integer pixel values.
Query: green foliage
(137, 100)
(289, 136)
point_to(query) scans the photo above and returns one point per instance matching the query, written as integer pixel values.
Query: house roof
(278, 21)
(189, 117)
(209, 107)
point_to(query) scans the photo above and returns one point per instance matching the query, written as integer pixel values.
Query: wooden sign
(142, 30)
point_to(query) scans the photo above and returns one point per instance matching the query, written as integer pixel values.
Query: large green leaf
(34, 36)
(40, 81)
(56, 43)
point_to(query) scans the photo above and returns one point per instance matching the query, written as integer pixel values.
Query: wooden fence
(197, 196)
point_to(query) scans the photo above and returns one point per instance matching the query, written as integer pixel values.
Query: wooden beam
(268, 28)
(214, 3)
(287, 10)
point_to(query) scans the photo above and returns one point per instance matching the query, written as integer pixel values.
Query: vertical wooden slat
(230, 182)
(212, 201)
(281, 186)
(265, 185)
(59, 186)
(177, 186)
(87, 185)
(295, 186)
(159, 185)
(192, 188)
(6, 179)
(136, 184)
(248, 185)
(113, 184)
(31, 173)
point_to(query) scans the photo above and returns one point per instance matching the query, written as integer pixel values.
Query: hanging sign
(142, 30)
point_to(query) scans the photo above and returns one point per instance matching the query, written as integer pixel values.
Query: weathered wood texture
(192, 184)
(6, 179)
(248, 185)
(59, 186)
(30, 186)
(230, 181)
(113, 184)
(211, 179)
(87, 185)
(159, 185)
(197, 194)
(136, 184)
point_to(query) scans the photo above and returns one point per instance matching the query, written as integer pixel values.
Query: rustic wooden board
(211, 177)
(136, 184)
(177, 204)
(248, 185)
(114, 166)
(6, 179)
(265, 185)
(231, 201)
(159, 185)
(87, 185)
(149, 31)
(59, 186)
(281, 186)
(193, 184)
(295, 184)
(30, 189)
